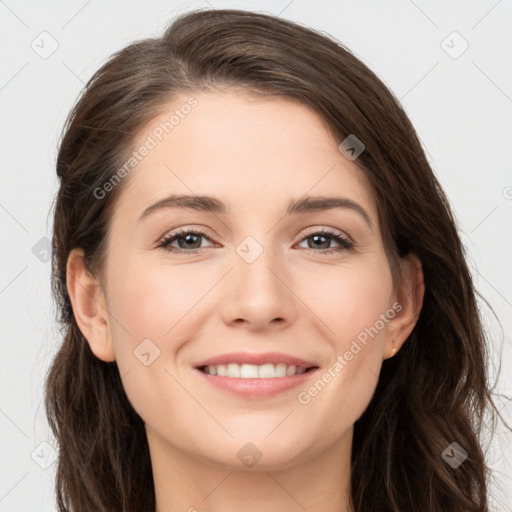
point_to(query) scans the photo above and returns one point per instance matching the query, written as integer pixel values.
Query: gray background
(459, 99)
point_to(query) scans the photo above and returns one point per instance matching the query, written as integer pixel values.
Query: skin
(256, 155)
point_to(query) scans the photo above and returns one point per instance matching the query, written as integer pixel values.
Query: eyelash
(345, 243)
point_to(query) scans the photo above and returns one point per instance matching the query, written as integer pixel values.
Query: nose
(259, 294)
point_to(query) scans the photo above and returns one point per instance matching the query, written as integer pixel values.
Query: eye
(188, 241)
(322, 239)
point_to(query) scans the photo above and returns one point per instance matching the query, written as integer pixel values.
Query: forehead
(244, 149)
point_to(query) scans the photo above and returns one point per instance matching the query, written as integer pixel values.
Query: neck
(183, 482)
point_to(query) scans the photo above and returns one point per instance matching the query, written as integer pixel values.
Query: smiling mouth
(252, 371)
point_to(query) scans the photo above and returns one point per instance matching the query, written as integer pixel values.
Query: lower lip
(257, 388)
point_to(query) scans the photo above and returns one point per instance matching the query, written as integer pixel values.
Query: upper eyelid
(330, 231)
(202, 231)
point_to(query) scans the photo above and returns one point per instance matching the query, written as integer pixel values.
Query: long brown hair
(433, 392)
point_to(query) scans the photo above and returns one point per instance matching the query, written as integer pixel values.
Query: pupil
(316, 237)
(187, 239)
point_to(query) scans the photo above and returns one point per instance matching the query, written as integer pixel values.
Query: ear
(89, 306)
(408, 304)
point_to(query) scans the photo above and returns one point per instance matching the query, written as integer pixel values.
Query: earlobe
(89, 306)
(410, 297)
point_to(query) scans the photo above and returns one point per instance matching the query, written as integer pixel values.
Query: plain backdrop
(450, 65)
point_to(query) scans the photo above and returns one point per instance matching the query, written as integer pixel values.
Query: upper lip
(257, 359)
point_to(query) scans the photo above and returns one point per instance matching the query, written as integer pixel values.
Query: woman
(318, 346)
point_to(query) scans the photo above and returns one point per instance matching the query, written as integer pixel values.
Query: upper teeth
(252, 371)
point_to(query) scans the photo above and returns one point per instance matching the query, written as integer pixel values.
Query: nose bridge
(256, 264)
(259, 294)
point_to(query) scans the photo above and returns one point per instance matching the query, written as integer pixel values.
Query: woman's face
(261, 284)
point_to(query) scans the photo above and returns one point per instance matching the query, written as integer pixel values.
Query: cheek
(155, 308)
(356, 308)
(152, 301)
(351, 301)
(149, 310)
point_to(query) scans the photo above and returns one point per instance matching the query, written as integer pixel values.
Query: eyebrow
(211, 204)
